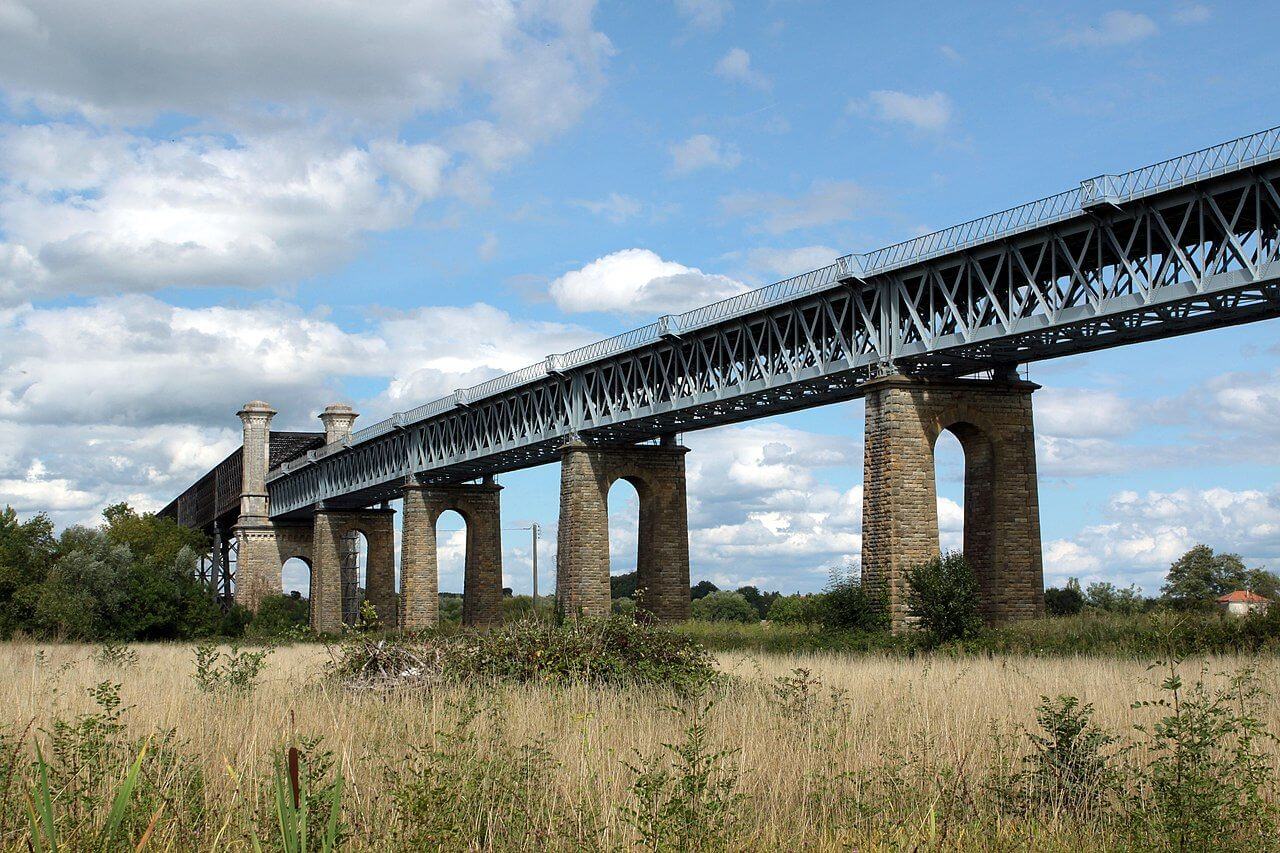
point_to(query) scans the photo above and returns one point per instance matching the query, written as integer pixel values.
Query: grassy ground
(870, 752)
(1143, 636)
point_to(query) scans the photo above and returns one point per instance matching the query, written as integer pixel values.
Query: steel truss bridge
(1179, 246)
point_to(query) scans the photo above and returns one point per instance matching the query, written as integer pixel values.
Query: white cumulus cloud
(86, 212)
(639, 281)
(1146, 531)
(704, 14)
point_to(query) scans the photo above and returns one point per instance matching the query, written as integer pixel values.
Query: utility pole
(533, 526)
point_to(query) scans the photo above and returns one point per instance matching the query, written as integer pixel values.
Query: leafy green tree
(85, 591)
(150, 537)
(761, 601)
(1263, 582)
(724, 606)
(624, 585)
(849, 606)
(942, 596)
(450, 608)
(701, 588)
(1113, 599)
(1064, 601)
(806, 610)
(165, 600)
(1199, 576)
(133, 578)
(280, 614)
(27, 552)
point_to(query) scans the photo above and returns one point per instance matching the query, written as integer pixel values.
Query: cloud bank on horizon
(204, 204)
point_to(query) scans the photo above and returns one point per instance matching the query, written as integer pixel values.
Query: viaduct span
(929, 331)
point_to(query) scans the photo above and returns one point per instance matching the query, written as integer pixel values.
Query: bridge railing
(1006, 223)
(1169, 174)
(754, 300)
(507, 381)
(610, 346)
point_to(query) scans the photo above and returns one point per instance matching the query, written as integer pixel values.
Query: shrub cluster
(613, 650)
(942, 597)
(133, 578)
(724, 606)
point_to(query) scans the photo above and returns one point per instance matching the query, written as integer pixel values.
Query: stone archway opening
(295, 578)
(964, 456)
(452, 545)
(295, 585)
(354, 574)
(948, 478)
(624, 511)
(992, 420)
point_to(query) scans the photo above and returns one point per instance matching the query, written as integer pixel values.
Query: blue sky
(300, 202)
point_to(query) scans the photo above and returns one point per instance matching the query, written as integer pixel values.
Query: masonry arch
(296, 575)
(587, 476)
(991, 419)
(625, 507)
(478, 507)
(355, 573)
(453, 532)
(977, 499)
(354, 562)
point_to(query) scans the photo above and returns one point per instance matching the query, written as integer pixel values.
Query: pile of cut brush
(614, 650)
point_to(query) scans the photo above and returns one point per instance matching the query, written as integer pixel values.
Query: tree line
(1194, 582)
(130, 578)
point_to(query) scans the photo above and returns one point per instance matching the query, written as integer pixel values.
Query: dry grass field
(860, 752)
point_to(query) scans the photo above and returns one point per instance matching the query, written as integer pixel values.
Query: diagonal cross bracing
(1180, 246)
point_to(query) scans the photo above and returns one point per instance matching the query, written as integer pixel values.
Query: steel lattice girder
(1203, 255)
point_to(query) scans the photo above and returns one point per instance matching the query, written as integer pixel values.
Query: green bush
(130, 579)
(849, 606)
(797, 609)
(280, 616)
(722, 606)
(518, 607)
(613, 650)
(1112, 599)
(231, 671)
(942, 596)
(776, 637)
(1204, 784)
(761, 601)
(450, 608)
(1069, 766)
(1065, 601)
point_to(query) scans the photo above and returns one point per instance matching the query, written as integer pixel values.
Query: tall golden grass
(936, 728)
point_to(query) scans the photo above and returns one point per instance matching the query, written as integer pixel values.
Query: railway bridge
(930, 331)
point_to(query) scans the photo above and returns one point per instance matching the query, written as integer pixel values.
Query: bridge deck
(1182, 245)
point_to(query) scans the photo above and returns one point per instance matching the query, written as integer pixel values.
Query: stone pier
(332, 529)
(480, 507)
(257, 545)
(582, 555)
(992, 419)
(324, 541)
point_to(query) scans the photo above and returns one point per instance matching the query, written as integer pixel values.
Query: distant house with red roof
(1242, 602)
